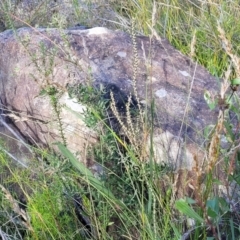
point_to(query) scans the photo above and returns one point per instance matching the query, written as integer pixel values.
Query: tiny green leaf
(211, 103)
(235, 81)
(213, 204)
(211, 213)
(230, 135)
(190, 200)
(43, 92)
(213, 207)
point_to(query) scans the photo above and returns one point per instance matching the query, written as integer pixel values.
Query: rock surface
(33, 59)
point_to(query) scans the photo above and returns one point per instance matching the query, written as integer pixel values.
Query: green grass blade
(87, 174)
(182, 206)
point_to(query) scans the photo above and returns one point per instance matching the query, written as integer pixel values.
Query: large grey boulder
(33, 59)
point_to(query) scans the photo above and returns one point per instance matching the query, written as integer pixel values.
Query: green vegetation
(131, 197)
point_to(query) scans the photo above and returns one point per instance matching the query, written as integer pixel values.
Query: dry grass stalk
(227, 46)
(129, 118)
(16, 208)
(129, 128)
(213, 151)
(135, 71)
(132, 128)
(154, 14)
(193, 45)
(117, 115)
